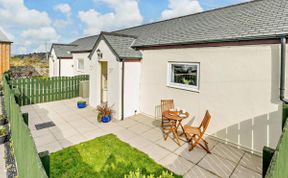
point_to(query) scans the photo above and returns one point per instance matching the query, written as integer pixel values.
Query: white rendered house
(60, 60)
(71, 59)
(231, 66)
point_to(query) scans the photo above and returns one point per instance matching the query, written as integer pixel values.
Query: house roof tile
(122, 45)
(63, 50)
(258, 19)
(251, 20)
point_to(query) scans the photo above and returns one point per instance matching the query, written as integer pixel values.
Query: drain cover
(44, 125)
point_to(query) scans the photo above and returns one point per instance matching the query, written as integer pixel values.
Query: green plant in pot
(3, 120)
(81, 104)
(3, 134)
(104, 113)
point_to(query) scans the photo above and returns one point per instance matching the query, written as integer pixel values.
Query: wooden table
(175, 122)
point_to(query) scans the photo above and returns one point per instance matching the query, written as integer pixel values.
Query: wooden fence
(37, 90)
(29, 163)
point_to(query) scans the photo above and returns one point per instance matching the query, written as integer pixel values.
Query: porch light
(99, 54)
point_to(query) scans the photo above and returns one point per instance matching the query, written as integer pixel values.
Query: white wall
(238, 85)
(113, 83)
(53, 66)
(77, 56)
(131, 88)
(67, 67)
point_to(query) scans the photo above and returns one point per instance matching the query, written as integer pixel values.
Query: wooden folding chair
(195, 134)
(165, 106)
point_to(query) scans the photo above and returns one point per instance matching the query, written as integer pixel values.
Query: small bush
(3, 131)
(81, 102)
(40, 77)
(137, 174)
(105, 110)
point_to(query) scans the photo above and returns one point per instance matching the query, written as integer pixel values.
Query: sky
(33, 25)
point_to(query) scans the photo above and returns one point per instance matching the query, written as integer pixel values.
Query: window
(183, 75)
(80, 65)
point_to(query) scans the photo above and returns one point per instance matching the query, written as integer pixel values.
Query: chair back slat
(205, 122)
(166, 105)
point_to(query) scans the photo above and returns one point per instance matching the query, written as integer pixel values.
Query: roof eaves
(272, 36)
(118, 34)
(80, 51)
(4, 41)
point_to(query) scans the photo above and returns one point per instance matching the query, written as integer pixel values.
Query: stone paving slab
(75, 125)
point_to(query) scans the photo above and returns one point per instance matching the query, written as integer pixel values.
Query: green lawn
(106, 156)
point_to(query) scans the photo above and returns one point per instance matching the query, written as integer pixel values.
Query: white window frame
(183, 86)
(78, 69)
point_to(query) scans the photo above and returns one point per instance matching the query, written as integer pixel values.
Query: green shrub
(40, 77)
(1, 117)
(137, 174)
(3, 131)
(81, 102)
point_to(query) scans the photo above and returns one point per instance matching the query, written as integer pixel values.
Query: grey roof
(251, 20)
(122, 45)
(84, 44)
(3, 37)
(63, 50)
(80, 45)
(258, 19)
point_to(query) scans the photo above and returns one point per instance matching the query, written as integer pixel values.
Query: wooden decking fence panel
(36, 90)
(29, 163)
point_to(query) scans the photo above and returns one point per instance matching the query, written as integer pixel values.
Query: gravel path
(8, 164)
(2, 160)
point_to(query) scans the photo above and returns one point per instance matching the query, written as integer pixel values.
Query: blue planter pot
(81, 105)
(106, 119)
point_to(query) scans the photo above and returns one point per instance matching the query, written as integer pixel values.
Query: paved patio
(77, 125)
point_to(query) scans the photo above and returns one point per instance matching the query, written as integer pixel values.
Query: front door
(104, 77)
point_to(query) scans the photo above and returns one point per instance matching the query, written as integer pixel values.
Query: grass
(106, 156)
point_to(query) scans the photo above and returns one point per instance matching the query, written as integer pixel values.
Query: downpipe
(283, 70)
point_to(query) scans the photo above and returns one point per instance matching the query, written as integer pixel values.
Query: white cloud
(181, 7)
(61, 24)
(63, 8)
(15, 12)
(44, 34)
(29, 28)
(125, 13)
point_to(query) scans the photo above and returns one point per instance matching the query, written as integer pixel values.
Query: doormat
(44, 125)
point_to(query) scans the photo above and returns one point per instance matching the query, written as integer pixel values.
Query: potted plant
(105, 113)
(3, 120)
(81, 104)
(3, 134)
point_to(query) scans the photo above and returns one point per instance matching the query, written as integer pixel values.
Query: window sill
(183, 88)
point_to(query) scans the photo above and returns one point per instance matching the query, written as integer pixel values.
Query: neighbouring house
(5, 53)
(60, 60)
(230, 61)
(71, 59)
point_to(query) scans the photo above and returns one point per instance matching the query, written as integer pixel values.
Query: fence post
(45, 159)
(25, 118)
(267, 157)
